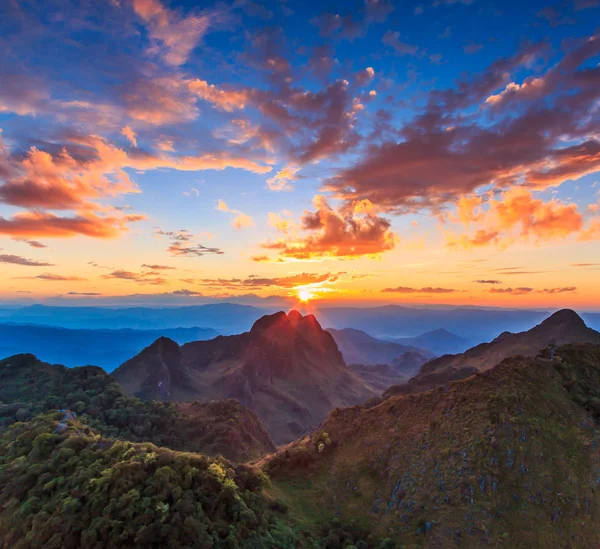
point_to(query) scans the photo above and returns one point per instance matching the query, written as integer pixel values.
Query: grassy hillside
(506, 458)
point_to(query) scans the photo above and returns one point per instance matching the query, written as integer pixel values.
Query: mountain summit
(286, 368)
(564, 326)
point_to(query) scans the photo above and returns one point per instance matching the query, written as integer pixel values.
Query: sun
(305, 295)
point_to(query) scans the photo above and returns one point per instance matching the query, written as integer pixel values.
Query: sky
(360, 152)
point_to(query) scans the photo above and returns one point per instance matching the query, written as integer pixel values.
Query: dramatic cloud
(352, 233)
(281, 180)
(443, 153)
(515, 216)
(428, 290)
(18, 260)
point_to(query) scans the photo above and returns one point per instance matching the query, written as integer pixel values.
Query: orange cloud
(350, 233)
(130, 135)
(227, 100)
(517, 215)
(240, 220)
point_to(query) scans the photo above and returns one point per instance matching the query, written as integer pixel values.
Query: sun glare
(305, 295)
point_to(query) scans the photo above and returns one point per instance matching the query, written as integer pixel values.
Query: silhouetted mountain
(562, 327)
(105, 348)
(29, 387)
(358, 347)
(507, 458)
(439, 342)
(286, 368)
(226, 318)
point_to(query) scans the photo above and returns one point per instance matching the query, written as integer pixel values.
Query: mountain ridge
(286, 368)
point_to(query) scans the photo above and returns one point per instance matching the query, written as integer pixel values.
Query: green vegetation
(78, 490)
(29, 387)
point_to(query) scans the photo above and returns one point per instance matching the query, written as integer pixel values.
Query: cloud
(488, 282)
(130, 135)
(516, 215)
(558, 290)
(227, 100)
(173, 36)
(18, 260)
(392, 39)
(49, 225)
(198, 250)
(158, 267)
(281, 180)
(427, 290)
(445, 152)
(365, 76)
(88, 294)
(512, 291)
(256, 282)
(240, 220)
(141, 278)
(32, 243)
(355, 232)
(260, 258)
(56, 278)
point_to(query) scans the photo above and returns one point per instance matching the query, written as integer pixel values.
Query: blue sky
(353, 149)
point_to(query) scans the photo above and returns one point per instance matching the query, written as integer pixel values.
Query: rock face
(564, 326)
(286, 368)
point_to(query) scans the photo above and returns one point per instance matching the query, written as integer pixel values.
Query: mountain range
(439, 342)
(286, 368)
(101, 347)
(564, 326)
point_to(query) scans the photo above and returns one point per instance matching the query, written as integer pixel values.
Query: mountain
(104, 348)
(29, 387)
(225, 318)
(564, 326)
(439, 342)
(507, 458)
(476, 324)
(358, 347)
(286, 368)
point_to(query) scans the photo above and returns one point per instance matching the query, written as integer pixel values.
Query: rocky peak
(565, 318)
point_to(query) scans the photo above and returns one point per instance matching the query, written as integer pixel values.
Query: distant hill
(476, 324)
(358, 347)
(104, 348)
(564, 326)
(29, 387)
(507, 458)
(286, 368)
(225, 318)
(439, 342)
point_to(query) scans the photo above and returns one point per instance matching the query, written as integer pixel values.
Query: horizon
(156, 152)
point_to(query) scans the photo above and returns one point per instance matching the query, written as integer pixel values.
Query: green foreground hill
(29, 387)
